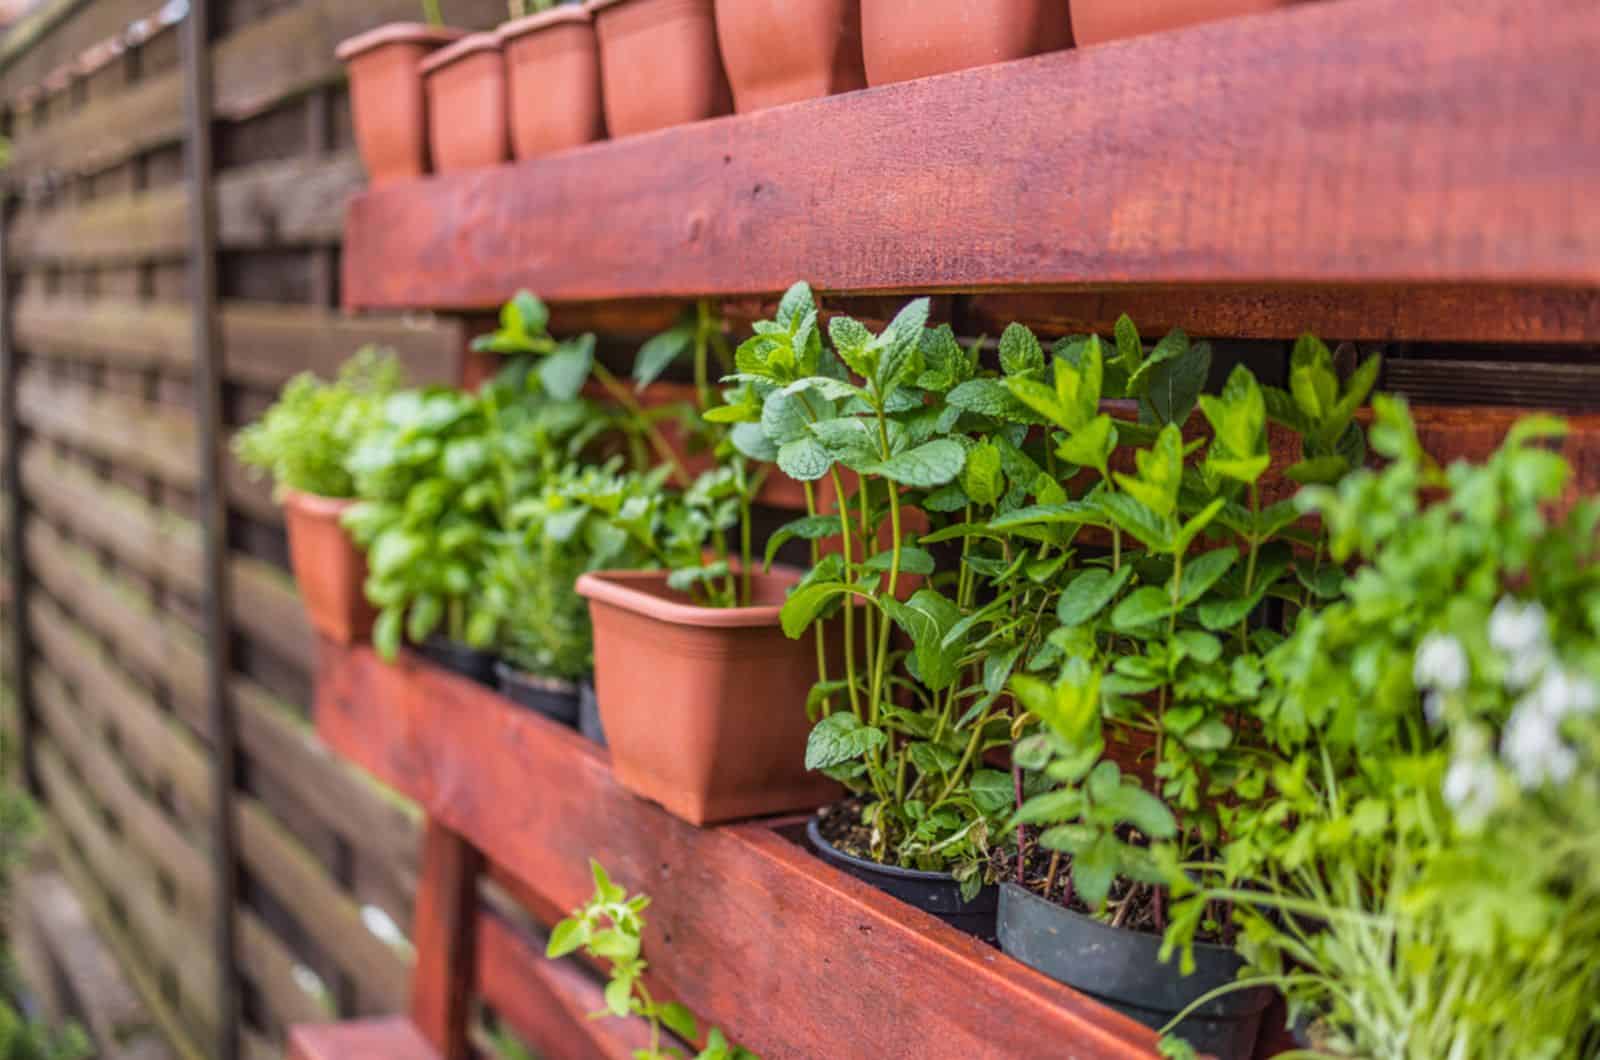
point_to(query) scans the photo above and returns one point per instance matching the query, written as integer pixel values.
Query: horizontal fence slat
(273, 204)
(263, 343)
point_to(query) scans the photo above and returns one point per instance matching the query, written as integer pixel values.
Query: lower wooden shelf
(747, 927)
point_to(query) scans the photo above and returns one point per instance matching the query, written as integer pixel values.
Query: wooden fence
(102, 359)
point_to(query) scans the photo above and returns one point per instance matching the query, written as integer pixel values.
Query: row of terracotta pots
(429, 97)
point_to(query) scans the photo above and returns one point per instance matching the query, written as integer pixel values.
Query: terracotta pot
(905, 39)
(387, 103)
(659, 63)
(466, 87)
(1098, 21)
(328, 567)
(704, 708)
(783, 51)
(553, 77)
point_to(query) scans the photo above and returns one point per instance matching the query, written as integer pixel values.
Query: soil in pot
(460, 659)
(466, 87)
(783, 51)
(554, 698)
(704, 708)
(840, 839)
(1120, 965)
(659, 63)
(387, 104)
(1098, 21)
(906, 39)
(553, 80)
(329, 569)
(589, 713)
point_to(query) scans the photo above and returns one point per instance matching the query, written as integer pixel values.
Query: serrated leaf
(1132, 517)
(1212, 735)
(1175, 384)
(1051, 807)
(566, 937)
(1089, 593)
(1202, 572)
(928, 465)
(1020, 352)
(840, 738)
(806, 528)
(926, 617)
(1135, 806)
(983, 480)
(804, 459)
(990, 397)
(564, 372)
(1141, 607)
(806, 603)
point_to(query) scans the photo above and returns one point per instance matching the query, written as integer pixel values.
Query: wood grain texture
(263, 343)
(741, 916)
(390, 1039)
(444, 933)
(1424, 313)
(1348, 142)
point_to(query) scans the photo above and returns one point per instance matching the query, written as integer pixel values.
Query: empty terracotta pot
(328, 567)
(553, 75)
(783, 51)
(387, 103)
(466, 87)
(704, 708)
(906, 39)
(1097, 21)
(659, 63)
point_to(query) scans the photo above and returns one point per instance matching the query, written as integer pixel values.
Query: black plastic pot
(932, 892)
(459, 659)
(589, 713)
(1121, 968)
(554, 698)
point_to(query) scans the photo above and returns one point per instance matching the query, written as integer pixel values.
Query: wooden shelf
(1405, 154)
(747, 927)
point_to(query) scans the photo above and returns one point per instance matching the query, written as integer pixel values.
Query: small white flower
(1562, 694)
(1441, 663)
(1433, 705)
(1520, 632)
(1472, 789)
(1531, 745)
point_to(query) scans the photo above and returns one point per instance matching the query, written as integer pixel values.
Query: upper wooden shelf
(1347, 142)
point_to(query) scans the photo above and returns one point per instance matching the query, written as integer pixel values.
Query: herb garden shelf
(747, 927)
(1420, 164)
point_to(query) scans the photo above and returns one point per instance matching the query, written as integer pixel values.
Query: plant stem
(431, 13)
(622, 396)
(849, 610)
(1050, 875)
(702, 342)
(1016, 782)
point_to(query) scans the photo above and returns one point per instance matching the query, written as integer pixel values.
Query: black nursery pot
(932, 892)
(1121, 968)
(589, 713)
(459, 659)
(554, 698)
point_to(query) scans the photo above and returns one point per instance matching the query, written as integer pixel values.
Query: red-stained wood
(385, 1039)
(444, 934)
(741, 916)
(1357, 142)
(1434, 313)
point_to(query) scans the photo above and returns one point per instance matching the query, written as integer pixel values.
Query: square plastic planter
(704, 708)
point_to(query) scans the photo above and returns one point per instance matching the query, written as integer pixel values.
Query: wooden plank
(166, 547)
(284, 54)
(739, 915)
(161, 933)
(342, 798)
(53, 928)
(288, 203)
(276, 858)
(1574, 387)
(264, 343)
(154, 438)
(442, 931)
(1418, 314)
(392, 1039)
(54, 34)
(129, 954)
(1345, 142)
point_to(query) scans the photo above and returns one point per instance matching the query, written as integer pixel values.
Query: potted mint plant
(1161, 640)
(305, 441)
(1422, 865)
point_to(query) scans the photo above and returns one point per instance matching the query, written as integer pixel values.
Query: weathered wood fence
(108, 374)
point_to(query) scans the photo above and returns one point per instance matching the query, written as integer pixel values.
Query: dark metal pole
(16, 565)
(208, 380)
